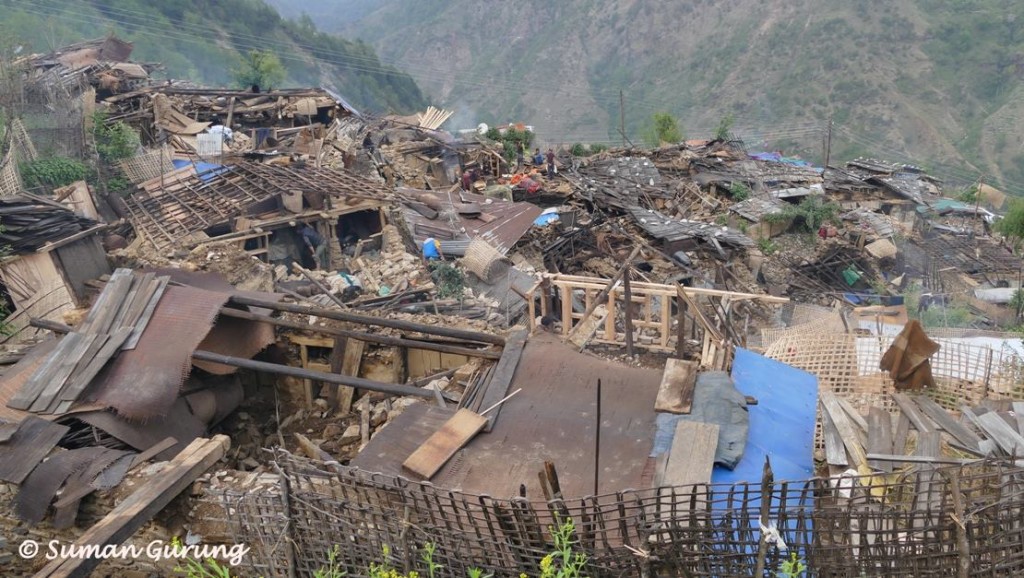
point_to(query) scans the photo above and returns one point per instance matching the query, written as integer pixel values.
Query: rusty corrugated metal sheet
(551, 419)
(143, 383)
(502, 225)
(179, 423)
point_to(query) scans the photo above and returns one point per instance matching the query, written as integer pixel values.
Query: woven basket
(485, 261)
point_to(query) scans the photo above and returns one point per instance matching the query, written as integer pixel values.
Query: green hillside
(201, 40)
(938, 81)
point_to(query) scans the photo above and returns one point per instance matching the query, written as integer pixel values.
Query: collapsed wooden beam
(133, 513)
(370, 320)
(275, 368)
(363, 336)
(350, 381)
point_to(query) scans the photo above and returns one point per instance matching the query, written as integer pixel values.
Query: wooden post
(599, 299)
(767, 478)
(628, 296)
(597, 441)
(681, 314)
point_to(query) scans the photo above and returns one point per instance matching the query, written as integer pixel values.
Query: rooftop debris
(353, 287)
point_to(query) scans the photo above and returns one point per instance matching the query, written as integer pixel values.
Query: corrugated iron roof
(500, 223)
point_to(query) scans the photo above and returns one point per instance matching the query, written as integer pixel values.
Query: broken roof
(668, 229)
(455, 218)
(184, 203)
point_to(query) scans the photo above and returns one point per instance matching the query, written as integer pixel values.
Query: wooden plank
(675, 395)
(65, 367)
(945, 421)
(835, 452)
(929, 444)
(147, 314)
(135, 511)
(918, 459)
(42, 376)
(909, 408)
(504, 371)
(82, 379)
(442, 445)
(27, 447)
(1018, 411)
(1000, 432)
(692, 456)
(879, 436)
(351, 361)
(853, 414)
(899, 437)
(846, 430)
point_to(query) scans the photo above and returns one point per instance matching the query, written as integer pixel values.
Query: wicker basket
(485, 261)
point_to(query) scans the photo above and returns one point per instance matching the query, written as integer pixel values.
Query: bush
(1012, 225)
(114, 141)
(812, 212)
(767, 247)
(53, 172)
(663, 127)
(450, 281)
(739, 192)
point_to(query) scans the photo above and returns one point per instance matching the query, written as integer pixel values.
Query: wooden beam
(442, 444)
(71, 239)
(692, 455)
(363, 336)
(603, 295)
(350, 381)
(134, 512)
(504, 370)
(370, 320)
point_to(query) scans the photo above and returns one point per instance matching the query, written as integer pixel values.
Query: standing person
(551, 163)
(316, 244)
(467, 179)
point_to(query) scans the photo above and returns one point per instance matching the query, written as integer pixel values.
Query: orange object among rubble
(907, 358)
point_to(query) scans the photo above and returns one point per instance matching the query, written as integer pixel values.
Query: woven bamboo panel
(148, 165)
(10, 179)
(22, 142)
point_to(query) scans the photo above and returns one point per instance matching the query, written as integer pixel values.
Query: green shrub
(450, 281)
(114, 141)
(767, 247)
(812, 212)
(1012, 225)
(663, 127)
(53, 172)
(578, 150)
(739, 191)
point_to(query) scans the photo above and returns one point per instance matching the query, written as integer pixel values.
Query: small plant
(1017, 302)
(662, 128)
(563, 562)
(578, 150)
(968, 195)
(812, 212)
(194, 568)
(724, 126)
(450, 281)
(739, 191)
(767, 247)
(791, 568)
(478, 573)
(721, 220)
(428, 559)
(333, 569)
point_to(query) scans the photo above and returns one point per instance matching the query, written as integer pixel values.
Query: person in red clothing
(467, 179)
(551, 163)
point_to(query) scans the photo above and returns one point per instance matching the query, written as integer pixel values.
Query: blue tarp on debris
(781, 424)
(205, 171)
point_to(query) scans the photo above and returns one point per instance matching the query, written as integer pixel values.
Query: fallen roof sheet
(669, 229)
(462, 216)
(546, 421)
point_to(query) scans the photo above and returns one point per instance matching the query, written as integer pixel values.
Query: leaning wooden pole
(602, 296)
(370, 320)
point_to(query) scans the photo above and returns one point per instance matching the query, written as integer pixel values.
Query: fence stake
(767, 477)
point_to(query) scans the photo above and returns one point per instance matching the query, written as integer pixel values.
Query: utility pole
(828, 145)
(622, 117)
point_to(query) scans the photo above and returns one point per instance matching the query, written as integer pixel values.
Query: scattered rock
(351, 435)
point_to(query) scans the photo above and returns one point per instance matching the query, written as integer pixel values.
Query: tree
(1012, 225)
(724, 126)
(662, 128)
(260, 68)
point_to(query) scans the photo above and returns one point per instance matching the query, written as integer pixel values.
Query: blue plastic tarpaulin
(781, 424)
(205, 171)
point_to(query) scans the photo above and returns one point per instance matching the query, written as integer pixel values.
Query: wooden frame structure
(658, 313)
